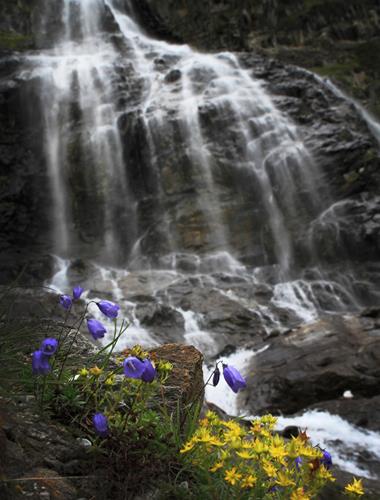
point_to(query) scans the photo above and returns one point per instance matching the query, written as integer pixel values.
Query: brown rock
(185, 384)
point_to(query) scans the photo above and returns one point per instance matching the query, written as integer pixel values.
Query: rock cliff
(335, 38)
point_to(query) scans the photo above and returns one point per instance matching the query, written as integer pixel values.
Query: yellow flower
(277, 452)
(233, 433)
(110, 380)
(187, 446)
(245, 454)
(83, 372)
(270, 469)
(299, 494)
(248, 481)
(203, 436)
(212, 416)
(323, 473)
(216, 466)
(269, 420)
(216, 442)
(356, 487)
(96, 371)
(165, 366)
(277, 440)
(235, 443)
(256, 427)
(310, 452)
(204, 422)
(258, 446)
(265, 433)
(284, 480)
(294, 448)
(232, 476)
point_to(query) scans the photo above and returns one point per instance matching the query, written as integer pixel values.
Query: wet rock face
(213, 24)
(169, 190)
(169, 185)
(24, 192)
(339, 38)
(316, 363)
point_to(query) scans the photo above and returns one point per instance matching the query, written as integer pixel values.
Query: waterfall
(106, 86)
(164, 158)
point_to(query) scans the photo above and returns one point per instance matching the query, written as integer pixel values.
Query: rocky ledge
(43, 459)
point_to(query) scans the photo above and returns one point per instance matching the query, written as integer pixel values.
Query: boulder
(315, 363)
(184, 388)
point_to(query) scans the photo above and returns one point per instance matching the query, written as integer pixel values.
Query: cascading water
(101, 197)
(161, 156)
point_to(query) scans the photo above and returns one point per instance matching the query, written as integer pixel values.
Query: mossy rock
(15, 41)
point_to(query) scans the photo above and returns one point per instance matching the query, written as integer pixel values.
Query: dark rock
(313, 364)
(162, 320)
(173, 76)
(362, 412)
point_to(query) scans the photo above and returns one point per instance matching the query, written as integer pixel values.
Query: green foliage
(14, 41)
(230, 461)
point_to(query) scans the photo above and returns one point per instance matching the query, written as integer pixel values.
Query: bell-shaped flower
(133, 367)
(40, 363)
(66, 301)
(108, 308)
(49, 346)
(100, 423)
(326, 460)
(149, 373)
(77, 292)
(298, 462)
(216, 377)
(96, 328)
(233, 378)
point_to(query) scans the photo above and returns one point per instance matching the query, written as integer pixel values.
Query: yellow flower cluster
(355, 488)
(257, 462)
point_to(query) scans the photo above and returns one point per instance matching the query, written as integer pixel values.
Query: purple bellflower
(96, 328)
(108, 308)
(298, 462)
(49, 346)
(134, 367)
(216, 377)
(326, 460)
(40, 363)
(233, 378)
(149, 372)
(100, 423)
(77, 292)
(66, 301)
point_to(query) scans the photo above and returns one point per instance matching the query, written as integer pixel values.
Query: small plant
(233, 461)
(118, 402)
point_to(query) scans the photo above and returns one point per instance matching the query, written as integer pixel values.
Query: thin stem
(199, 393)
(131, 407)
(73, 339)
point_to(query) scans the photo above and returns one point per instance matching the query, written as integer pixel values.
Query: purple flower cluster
(41, 357)
(137, 368)
(66, 301)
(326, 460)
(231, 375)
(96, 328)
(108, 308)
(100, 423)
